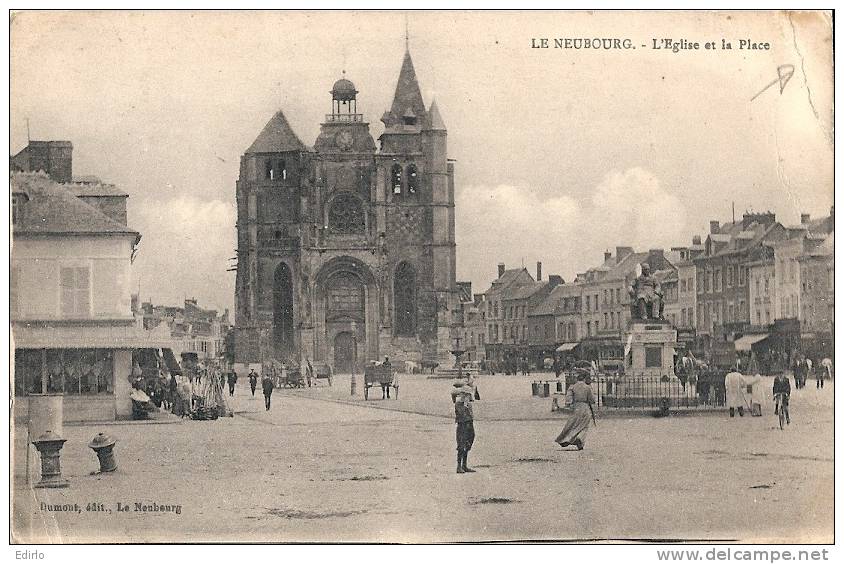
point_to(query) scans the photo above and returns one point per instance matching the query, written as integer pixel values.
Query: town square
(377, 293)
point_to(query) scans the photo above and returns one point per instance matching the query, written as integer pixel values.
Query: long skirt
(576, 426)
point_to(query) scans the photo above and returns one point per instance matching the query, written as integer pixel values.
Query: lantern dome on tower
(343, 90)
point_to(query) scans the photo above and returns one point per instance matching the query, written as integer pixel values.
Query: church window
(404, 291)
(395, 178)
(412, 179)
(346, 214)
(276, 169)
(17, 203)
(345, 297)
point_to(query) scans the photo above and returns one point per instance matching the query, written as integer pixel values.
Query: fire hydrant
(49, 446)
(103, 446)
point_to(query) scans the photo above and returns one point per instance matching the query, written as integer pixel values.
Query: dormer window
(409, 118)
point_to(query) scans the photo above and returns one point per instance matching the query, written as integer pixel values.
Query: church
(346, 250)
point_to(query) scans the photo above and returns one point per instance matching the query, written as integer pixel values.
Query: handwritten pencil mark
(784, 74)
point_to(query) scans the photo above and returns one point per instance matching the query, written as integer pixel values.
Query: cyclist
(782, 391)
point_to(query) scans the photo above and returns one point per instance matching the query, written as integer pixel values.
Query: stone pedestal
(648, 380)
(651, 346)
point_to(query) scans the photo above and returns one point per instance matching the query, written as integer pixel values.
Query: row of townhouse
(199, 334)
(746, 278)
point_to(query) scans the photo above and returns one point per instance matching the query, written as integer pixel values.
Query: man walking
(734, 384)
(253, 380)
(267, 385)
(232, 380)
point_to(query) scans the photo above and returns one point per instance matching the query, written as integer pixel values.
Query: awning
(172, 363)
(565, 347)
(746, 342)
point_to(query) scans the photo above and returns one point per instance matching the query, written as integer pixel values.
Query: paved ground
(316, 469)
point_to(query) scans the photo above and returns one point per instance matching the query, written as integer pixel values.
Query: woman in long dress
(579, 395)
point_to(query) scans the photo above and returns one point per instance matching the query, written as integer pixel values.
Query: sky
(561, 153)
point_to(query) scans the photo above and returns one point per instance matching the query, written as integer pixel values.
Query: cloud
(187, 241)
(520, 225)
(185, 246)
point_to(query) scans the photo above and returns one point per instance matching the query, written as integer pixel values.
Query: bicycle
(782, 409)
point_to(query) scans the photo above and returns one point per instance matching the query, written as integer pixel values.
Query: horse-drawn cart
(322, 371)
(381, 376)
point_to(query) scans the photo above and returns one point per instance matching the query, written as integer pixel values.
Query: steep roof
(408, 96)
(548, 306)
(52, 209)
(523, 291)
(89, 189)
(434, 118)
(277, 137)
(505, 279)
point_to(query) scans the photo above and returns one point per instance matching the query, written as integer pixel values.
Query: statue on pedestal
(646, 296)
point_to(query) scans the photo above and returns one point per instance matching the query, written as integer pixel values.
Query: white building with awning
(745, 343)
(73, 329)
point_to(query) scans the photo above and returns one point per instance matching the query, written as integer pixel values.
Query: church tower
(419, 218)
(346, 251)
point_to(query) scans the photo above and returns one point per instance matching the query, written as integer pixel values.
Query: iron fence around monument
(649, 393)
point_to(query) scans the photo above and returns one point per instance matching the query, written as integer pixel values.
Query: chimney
(622, 252)
(804, 218)
(696, 240)
(714, 227)
(500, 269)
(53, 157)
(538, 271)
(607, 256)
(656, 258)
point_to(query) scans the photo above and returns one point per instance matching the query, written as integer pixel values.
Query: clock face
(344, 140)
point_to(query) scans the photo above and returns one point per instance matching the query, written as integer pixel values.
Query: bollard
(49, 446)
(103, 446)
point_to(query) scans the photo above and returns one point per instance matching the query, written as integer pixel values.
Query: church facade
(346, 250)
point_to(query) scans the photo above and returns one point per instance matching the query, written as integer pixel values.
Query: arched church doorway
(283, 312)
(344, 352)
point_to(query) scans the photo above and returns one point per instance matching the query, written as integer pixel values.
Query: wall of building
(763, 296)
(787, 275)
(37, 290)
(817, 289)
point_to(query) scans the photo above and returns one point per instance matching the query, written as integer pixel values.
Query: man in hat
(462, 396)
(253, 380)
(232, 380)
(267, 386)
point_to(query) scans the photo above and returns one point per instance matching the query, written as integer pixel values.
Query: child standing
(462, 396)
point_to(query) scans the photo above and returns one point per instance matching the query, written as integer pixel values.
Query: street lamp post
(354, 383)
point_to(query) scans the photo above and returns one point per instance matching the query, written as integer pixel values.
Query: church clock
(344, 140)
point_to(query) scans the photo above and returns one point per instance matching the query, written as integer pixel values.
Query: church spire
(407, 100)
